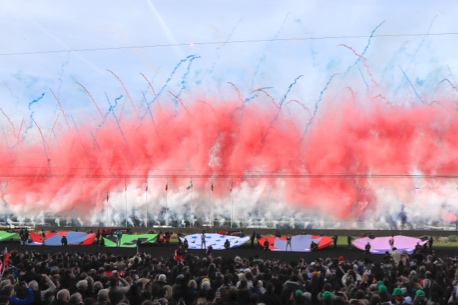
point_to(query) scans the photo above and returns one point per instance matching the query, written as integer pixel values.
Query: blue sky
(253, 44)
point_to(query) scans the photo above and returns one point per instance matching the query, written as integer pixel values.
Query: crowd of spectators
(35, 277)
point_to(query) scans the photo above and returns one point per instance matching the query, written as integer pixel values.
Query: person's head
(82, 285)
(201, 301)
(48, 297)
(33, 285)
(102, 295)
(76, 299)
(63, 295)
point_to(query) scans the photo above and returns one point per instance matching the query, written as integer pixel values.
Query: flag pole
(232, 208)
(211, 205)
(106, 212)
(125, 195)
(146, 202)
(232, 204)
(166, 208)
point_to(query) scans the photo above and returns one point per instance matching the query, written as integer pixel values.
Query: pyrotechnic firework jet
(60, 107)
(185, 75)
(93, 101)
(411, 85)
(170, 77)
(51, 132)
(180, 101)
(154, 92)
(30, 108)
(48, 160)
(239, 95)
(9, 121)
(123, 136)
(289, 90)
(6, 143)
(414, 56)
(317, 104)
(127, 94)
(365, 48)
(19, 133)
(368, 70)
(263, 57)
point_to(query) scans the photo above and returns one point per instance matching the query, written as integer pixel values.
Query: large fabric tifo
(6, 235)
(299, 243)
(381, 245)
(129, 240)
(215, 240)
(55, 238)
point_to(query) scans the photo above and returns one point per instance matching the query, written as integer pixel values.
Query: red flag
(6, 256)
(4, 260)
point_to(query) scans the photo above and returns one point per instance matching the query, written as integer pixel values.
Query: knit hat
(420, 293)
(397, 292)
(382, 289)
(299, 291)
(326, 295)
(379, 283)
(308, 295)
(341, 258)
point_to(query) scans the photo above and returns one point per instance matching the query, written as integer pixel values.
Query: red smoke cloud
(368, 146)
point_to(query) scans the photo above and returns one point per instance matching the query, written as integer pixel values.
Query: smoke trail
(239, 95)
(19, 133)
(112, 107)
(127, 92)
(450, 83)
(317, 104)
(30, 108)
(180, 101)
(93, 101)
(451, 74)
(365, 48)
(154, 93)
(52, 129)
(289, 89)
(6, 142)
(269, 96)
(60, 107)
(44, 143)
(364, 62)
(9, 120)
(413, 57)
(168, 80)
(250, 98)
(411, 85)
(122, 134)
(220, 47)
(263, 57)
(302, 105)
(147, 107)
(183, 78)
(171, 76)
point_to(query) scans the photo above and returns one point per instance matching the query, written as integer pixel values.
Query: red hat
(341, 258)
